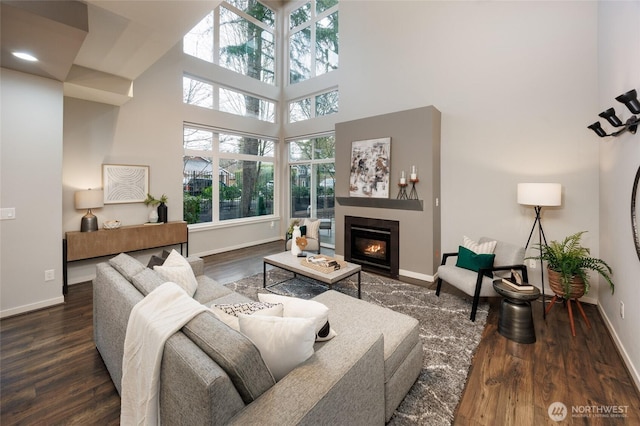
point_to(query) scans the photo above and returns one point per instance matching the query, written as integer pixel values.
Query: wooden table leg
(573, 327)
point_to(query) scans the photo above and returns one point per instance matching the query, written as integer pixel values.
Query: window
(244, 166)
(313, 40)
(304, 109)
(312, 180)
(244, 40)
(213, 96)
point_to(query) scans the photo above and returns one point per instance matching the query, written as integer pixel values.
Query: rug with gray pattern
(449, 337)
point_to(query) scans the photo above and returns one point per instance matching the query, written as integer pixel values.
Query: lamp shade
(540, 194)
(89, 199)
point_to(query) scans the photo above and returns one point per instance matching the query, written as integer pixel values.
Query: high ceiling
(98, 47)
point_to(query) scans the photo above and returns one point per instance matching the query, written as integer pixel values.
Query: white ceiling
(118, 38)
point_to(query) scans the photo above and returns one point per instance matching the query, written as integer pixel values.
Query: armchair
(478, 284)
(312, 234)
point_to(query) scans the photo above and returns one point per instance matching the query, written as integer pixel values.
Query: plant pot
(576, 285)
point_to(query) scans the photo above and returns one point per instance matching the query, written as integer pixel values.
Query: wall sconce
(630, 100)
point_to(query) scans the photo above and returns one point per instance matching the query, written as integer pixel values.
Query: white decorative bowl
(111, 224)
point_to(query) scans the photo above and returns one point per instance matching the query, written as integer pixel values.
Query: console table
(88, 245)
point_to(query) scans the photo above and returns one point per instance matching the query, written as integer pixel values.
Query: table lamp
(89, 199)
(539, 195)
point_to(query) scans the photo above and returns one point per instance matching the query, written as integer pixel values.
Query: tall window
(313, 40)
(243, 41)
(315, 106)
(244, 166)
(213, 96)
(312, 177)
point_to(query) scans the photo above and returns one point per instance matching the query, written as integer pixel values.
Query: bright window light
(25, 56)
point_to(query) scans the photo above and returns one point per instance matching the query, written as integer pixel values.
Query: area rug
(449, 337)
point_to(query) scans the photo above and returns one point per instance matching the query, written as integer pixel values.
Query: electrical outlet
(532, 263)
(8, 213)
(49, 275)
(621, 309)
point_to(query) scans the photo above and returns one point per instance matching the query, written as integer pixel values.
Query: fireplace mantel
(381, 203)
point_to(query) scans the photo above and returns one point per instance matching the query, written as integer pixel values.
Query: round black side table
(516, 318)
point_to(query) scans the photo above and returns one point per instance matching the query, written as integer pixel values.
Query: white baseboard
(405, 273)
(32, 307)
(623, 353)
(81, 279)
(417, 275)
(236, 247)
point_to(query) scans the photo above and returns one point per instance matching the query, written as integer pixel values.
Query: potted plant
(161, 212)
(568, 263)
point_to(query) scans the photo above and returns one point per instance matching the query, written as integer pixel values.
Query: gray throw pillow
(233, 352)
(147, 280)
(126, 265)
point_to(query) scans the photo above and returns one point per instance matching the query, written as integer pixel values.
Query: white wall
(516, 83)
(619, 72)
(30, 171)
(148, 131)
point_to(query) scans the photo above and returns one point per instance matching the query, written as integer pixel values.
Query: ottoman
(403, 357)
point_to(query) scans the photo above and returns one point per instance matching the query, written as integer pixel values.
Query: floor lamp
(539, 195)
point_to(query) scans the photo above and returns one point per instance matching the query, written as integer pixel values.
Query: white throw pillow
(178, 270)
(300, 308)
(313, 228)
(284, 343)
(228, 313)
(479, 248)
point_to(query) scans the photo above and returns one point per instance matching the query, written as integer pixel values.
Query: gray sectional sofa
(211, 374)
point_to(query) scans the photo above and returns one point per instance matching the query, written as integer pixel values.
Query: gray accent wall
(415, 140)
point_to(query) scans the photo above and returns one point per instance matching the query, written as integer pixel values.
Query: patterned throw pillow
(479, 248)
(228, 313)
(313, 228)
(300, 308)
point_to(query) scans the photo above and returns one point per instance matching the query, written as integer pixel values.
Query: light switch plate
(8, 213)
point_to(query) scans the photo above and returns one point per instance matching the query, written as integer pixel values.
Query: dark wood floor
(51, 373)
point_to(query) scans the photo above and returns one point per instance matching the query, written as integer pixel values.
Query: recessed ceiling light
(25, 56)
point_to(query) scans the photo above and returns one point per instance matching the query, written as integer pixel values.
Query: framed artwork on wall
(124, 183)
(370, 168)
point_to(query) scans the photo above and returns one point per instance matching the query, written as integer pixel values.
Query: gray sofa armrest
(113, 299)
(342, 383)
(197, 264)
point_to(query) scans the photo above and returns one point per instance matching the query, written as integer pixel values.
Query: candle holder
(413, 194)
(402, 194)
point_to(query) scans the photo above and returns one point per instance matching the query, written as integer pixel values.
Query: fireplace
(373, 244)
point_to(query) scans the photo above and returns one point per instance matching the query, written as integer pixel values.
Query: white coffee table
(285, 260)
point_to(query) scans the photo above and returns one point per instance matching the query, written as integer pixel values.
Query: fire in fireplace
(375, 249)
(372, 243)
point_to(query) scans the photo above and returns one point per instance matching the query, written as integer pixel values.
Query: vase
(295, 249)
(153, 216)
(162, 213)
(576, 285)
